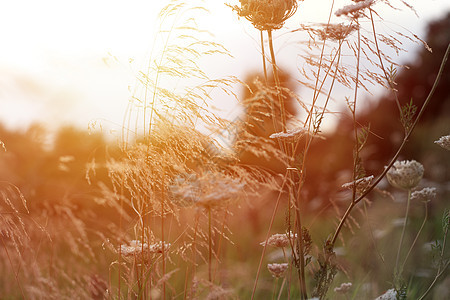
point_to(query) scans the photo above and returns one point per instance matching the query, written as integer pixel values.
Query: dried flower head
(280, 239)
(405, 174)
(266, 14)
(389, 295)
(444, 142)
(425, 194)
(277, 270)
(141, 250)
(361, 184)
(354, 9)
(336, 31)
(208, 191)
(291, 135)
(343, 288)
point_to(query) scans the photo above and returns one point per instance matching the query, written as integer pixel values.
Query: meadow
(186, 204)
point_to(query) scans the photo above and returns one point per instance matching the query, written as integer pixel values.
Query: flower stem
(417, 236)
(399, 272)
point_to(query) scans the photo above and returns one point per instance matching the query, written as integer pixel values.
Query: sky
(75, 62)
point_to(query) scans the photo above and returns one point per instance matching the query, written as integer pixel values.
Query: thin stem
(209, 246)
(301, 270)
(281, 288)
(399, 272)
(277, 82)
(381, 63)
(417, 236)
(394, 158)
(267, 238)
(263, 56)
(355, 129)
(440, 270)
(163, 246)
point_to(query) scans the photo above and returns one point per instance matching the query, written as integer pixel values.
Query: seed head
(405, 174)
(444, 142)
(280, 240)
(277, 270)
(425, 194)
(336, 32)
(266, 14)
(354, 9)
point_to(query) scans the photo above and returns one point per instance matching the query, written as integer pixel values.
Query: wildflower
(425, 194)
(266, 14)
(405, 174)
(290, 135)
(389, 295)
(158, 247)
(280, 240)
(354, 9)
(336, 31)
(138, 249)
(134, 248)
(444, 142)
(343, 288)
(206, 191)
(277, 270)
(361, 184)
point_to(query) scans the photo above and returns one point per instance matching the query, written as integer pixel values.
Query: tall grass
(190, 218)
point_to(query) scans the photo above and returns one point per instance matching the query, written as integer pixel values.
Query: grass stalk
(400, 148)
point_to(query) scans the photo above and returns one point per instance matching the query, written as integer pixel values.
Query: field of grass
(189, 205)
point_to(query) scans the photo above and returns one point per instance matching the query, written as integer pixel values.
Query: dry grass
(171, 213)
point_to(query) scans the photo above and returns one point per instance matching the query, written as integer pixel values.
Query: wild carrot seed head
(277, 270)
(266, 14)
(425, 194)
(354, 9)
(444, 142)
(405, 174)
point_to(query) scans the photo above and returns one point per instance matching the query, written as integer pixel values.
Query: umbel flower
(405, 174)
(207, 191)
(354, 9)
(280, 239)
(444, 142)
(266, 14)
(277, 270)
(141, 250)
(425, 194)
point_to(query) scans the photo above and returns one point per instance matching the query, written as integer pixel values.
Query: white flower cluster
(277, 270)
(425, 194)
(137, 249)
(280, 240)
(405, 174)
(207, 191)
(354, 8)
(389, 295)
(343, 288)
(444, 142)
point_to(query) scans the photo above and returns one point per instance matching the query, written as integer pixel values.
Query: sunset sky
(68, 62)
